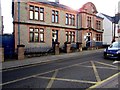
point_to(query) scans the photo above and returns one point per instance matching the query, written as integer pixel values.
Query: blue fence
(8, 44)
(94, 44)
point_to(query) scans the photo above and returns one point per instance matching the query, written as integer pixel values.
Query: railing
(94, 44)
(38, 51)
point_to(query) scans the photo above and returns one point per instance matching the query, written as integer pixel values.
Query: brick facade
(88, 19)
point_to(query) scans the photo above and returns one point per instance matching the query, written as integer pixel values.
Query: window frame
(55, 14)
(34, 36)
(98, 24)
(98, 37)
(89, 24)
(70, 36)
(70, 19)
(42, 34)
(41, 12)
(30, 12)
(36, 13)
(31, 32)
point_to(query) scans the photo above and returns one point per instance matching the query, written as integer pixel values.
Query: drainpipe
(114, 28)
(112, 31)
(77, 28)
(18, 22)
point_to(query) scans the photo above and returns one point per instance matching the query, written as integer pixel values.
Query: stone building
(91, 25)
(40, 24)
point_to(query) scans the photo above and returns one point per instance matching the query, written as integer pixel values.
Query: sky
(109, 7)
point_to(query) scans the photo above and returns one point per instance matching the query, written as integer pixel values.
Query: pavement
(111, 83)
(36, 60)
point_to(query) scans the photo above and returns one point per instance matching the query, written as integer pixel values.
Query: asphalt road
(76, 72)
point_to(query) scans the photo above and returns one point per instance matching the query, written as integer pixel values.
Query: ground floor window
(98, 37)
(36, 35)
(70, 36)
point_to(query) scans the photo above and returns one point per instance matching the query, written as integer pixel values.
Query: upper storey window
(42, 14)
(70, 19)
(31, 12)
(36, 13)
(88, 21)
(55, 16)
(98, 24)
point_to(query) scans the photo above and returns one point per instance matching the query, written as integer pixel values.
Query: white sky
(108, 7)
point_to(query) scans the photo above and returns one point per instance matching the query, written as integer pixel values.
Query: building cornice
(92, 15)
(55, 26)
(100, 31)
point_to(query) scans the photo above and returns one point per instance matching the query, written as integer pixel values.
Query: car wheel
(118, 57)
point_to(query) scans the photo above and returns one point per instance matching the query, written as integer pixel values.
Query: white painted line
(116, 62)
(105, 64)
(99, 67)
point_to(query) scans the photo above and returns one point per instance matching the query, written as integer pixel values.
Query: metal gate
(8, 44)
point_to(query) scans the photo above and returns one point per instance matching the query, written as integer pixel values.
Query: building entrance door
(54, 36)
(88, 42)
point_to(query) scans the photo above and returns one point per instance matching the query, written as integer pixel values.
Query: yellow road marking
(106, 64)
(52, 80)
(96, 72)
(25, 78)
(15, 81)
(69, 80)
(9, 82)
(100, 67)
(97, 84)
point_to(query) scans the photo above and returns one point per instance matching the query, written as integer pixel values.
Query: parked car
(113, 51)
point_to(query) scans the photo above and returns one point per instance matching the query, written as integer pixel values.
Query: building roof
(115, 19)
(56, 4)
(84, 9)
(99, 17)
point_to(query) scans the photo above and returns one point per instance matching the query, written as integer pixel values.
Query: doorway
(54, 36)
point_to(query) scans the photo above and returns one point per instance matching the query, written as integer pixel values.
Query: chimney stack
(57, 1)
